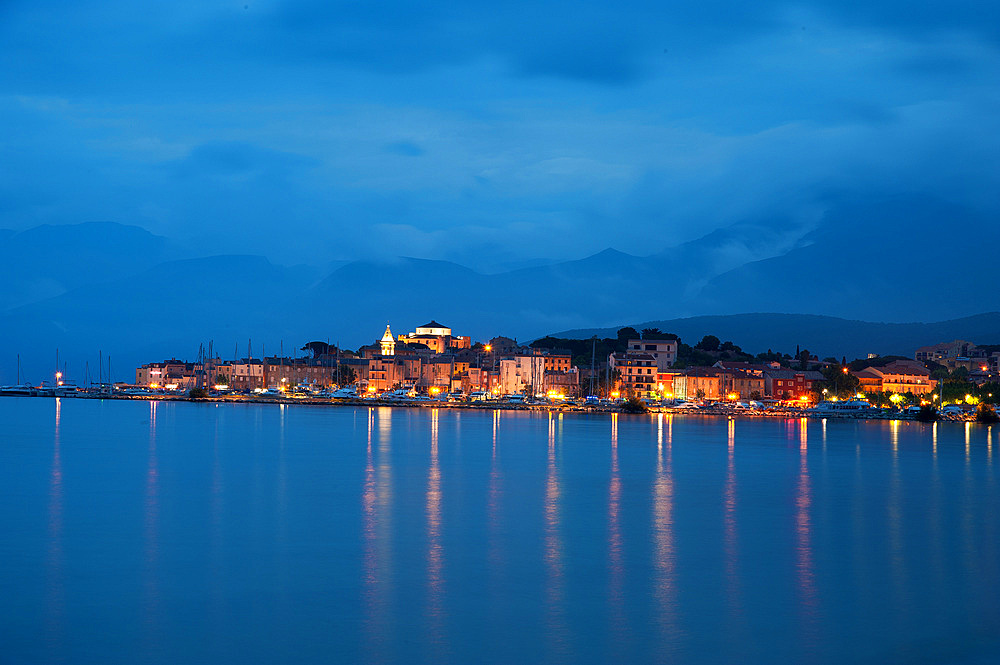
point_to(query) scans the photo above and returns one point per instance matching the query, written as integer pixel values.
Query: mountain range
(142, 297)
(824, 336)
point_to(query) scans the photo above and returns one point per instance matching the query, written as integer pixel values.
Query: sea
(180, 532)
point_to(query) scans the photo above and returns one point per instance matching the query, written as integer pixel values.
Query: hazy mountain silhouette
(48, 260)
(822, 335)
(119, 288)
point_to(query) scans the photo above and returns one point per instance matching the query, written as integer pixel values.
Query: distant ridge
(822, 335)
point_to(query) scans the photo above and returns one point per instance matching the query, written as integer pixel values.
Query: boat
(20, 390)
(845, 406)
(345, 393)
(400, 394)
(66, 389)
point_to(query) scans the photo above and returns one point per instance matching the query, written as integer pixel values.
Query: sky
(490, 134)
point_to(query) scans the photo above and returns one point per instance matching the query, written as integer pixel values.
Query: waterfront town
(434, 363)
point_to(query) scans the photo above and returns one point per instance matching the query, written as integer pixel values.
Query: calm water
(187, 533)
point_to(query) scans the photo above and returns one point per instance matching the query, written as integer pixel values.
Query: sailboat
(20, 389)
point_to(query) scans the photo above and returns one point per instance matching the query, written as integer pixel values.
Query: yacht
(846, 406)
(21, 390)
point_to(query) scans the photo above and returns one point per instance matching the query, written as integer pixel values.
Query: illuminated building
(387, 343)
(436, 337)
(664, 351)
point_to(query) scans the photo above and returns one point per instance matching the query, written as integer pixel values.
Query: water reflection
(55, 559)
(376, 533)
(554, 589)
(616, 570)
(494, 545)
(217, 554)
(664, 563)
(493, 499)
(970, 559)
(435, 555)
(803, 531)
(894, 508)
(281, 517)
(730, 546)
(968, 441)
(151, 539)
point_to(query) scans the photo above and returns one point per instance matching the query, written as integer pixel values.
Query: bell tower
(387, 342)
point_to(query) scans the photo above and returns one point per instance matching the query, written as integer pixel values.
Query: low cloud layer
(488, 134)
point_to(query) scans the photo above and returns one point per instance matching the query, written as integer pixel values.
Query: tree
(700, 394)
(803, 359)
(347, 375)
(837, 381)
(221, 380)
(928, 413)
(634, 405)
(197, 393)
(755, 395)
(985, 413)
(627, 333)
(708, 343)
(652, 333)
(317, 348)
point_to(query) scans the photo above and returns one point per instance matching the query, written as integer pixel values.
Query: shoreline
(501, 406)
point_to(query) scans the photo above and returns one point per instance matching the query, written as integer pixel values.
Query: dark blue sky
(487, 133)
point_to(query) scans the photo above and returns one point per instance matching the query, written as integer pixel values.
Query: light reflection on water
(55, 556)
(730, 545)
(391, 535)
(555, 600)
(435, 551)
(664, 581)
(805, 564)
(152, 617)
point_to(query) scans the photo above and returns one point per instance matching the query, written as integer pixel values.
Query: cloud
(549, 128)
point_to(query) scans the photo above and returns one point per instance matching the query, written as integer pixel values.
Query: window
(651, 347)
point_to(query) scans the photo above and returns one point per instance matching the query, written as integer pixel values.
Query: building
(565, 383)
(664, 351)
(753, 368)
(902, 376)
(744, 385)
(558, 361)
(437, 337)
(665, 382)
(940, 352)
(899, 376)
(523, 374)
(636, 373)
(287, 373)
(171, 374)
(388, 343)
(244, 375)
(385, 374)
(871, 382)
(701, 383)
(790, 383)
(436, 373)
